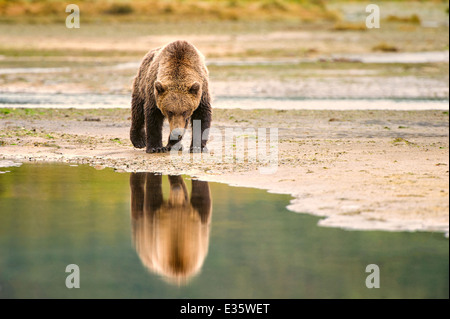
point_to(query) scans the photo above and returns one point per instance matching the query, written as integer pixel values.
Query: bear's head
(177, 102)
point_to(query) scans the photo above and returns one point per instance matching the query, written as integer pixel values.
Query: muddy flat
(359, 169)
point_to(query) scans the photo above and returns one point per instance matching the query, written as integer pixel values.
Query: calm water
(149, 236)
(95, 100)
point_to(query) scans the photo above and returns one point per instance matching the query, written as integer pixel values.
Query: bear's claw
(139, 142)
(169, 148)
(137, 137)
(198, 149)
(157, 150)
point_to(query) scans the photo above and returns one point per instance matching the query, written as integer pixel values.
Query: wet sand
(368, 170)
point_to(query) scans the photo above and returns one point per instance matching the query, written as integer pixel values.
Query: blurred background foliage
(53, 11)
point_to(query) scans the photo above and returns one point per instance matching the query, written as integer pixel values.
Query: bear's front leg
(200, 123)
(153, 126)
(137, 130)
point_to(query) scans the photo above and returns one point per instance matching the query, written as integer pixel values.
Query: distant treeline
(51, 11)
(41, 11)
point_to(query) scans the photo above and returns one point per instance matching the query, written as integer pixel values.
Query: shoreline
(329, 162)
(104, 101)
(350, 217)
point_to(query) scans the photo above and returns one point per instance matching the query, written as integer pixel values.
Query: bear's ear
(194, 88)
(159, 87)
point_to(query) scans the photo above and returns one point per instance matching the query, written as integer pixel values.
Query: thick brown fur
(172, 83)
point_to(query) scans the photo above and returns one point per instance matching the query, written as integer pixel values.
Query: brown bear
(172, 83)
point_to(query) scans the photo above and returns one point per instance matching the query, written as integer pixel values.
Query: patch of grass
(318, 69)
(40, 52)
(66, 114)
(32, 132)
(48, 11)
(38, 144)
(413, 19)
(120, 8)
(117, 140)
(30, 111)
(348, 26)
(274, 5)
(384, 47)
(5, 111)
(399, 140)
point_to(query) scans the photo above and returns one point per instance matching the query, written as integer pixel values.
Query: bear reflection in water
(171, 236)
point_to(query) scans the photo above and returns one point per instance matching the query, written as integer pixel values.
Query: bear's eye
(170, 114)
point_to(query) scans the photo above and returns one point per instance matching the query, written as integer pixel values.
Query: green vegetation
(384, 47)
(228, 115)
(119, 9)
(348, 26)
(48, 11)
(40, 52)
(53, 11)
(116, 140)
(68, 114)
(318, 69)
(414, 18)
(400, 140)
(5, 111)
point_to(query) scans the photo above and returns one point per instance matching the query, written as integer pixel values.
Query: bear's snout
(177, 134)
(178, 125)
